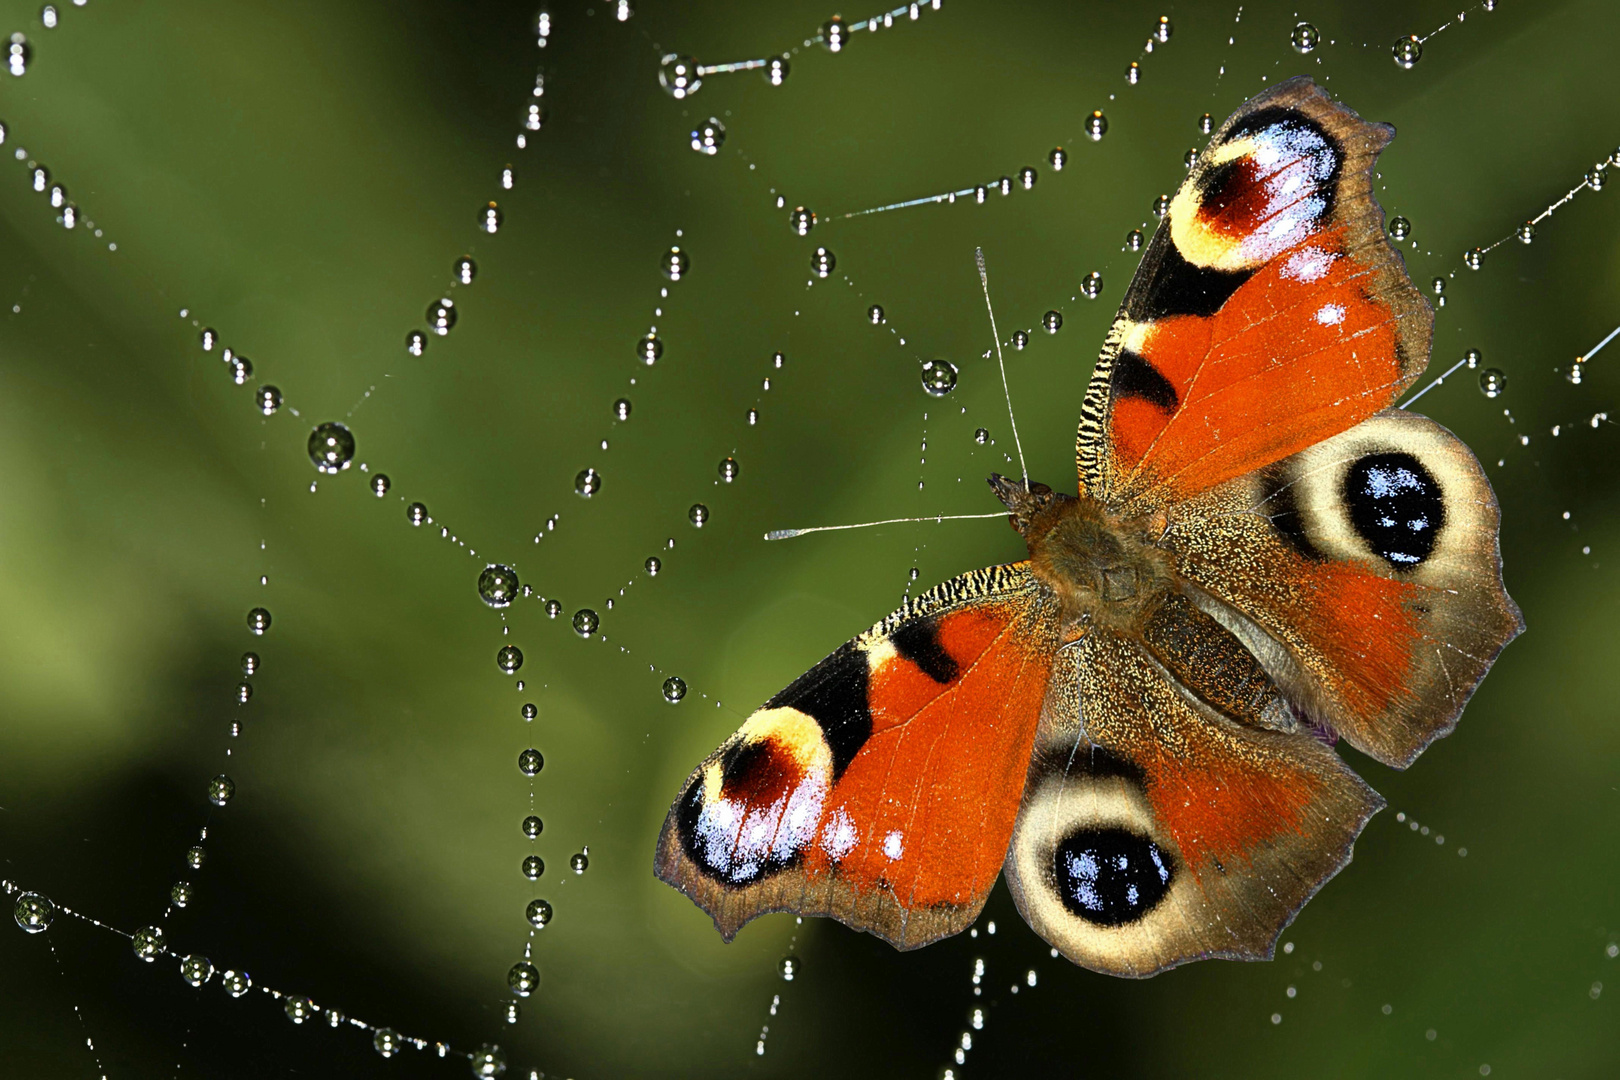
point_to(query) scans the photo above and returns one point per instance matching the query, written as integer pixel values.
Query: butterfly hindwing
(881, 786)
(1365, 573)
(1269, 311)
(1155, 829)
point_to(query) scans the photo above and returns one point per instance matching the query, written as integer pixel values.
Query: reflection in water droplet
(776, 70)
(1091, 285)
(498, 585)
(465, 270)
(579, 862)
(244, 691)
(416, 343)
(822, 262)
(269, 399)
(513, 1012)
(622, 11)
(18, 53)
(938, 377)
(220, 789)
(1492, 382)
(1594, 178)
(530, 762)
(1133, 74)
(1133, 240)
(524, 978)
(258, 620)
(534, 118)
(1407, 51)
(1304, 37)
(674, 689)
(331, 447)
(553, 608)
(698, 515)
(1399, 227)
(489, 1059)
(1162, 29)
(181, 893)
(585, 622)
(587, 482)
(1052, 322)
(709, 136)
(1057, 158)
(34, 912)
(678, 75)
(753, 417)
(509, 658)
(801, 221)
(728, 469)
(533, 826)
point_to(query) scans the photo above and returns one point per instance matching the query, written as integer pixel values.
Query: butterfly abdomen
(1104, 570)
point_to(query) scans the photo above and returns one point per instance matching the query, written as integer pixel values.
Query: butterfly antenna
(984, 283)
(788, 534)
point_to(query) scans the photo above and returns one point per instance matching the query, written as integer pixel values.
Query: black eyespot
(1396, 506)
(1111, 877)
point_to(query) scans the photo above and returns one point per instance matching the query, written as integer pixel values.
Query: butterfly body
(1135, 723)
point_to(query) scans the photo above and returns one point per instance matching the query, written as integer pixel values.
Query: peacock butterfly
(1136, 723)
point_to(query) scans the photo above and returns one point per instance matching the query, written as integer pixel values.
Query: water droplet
(1407, 51)
(208, 338)
(147, 942)
(553, 608)
(789, 967)
(1133, 240)
(498, 585)
(622, 11)
(1439, 286)
(1190, 157)
(258, 620)
(678, 75)
(753, 417)
(675, 264)
(195, 857)
(387, 1042)
(380, 484)
(1526, 232)
(41, 177)
(579, 862)
(58, 196)
(331, 447)
(1057, 158)
(1473, 259)
(196, 969)
(1161, 206)
(1472, 358)
(801, 221)
(47, 15)
(465, 270)
(1594, 178)
(509, 658)
(1304, 38)
(1399, 227)
(269, 398)
(530, 762)
(18, 53)
(1020, 339)
(728, 469)
(981, 436)
(534, 118)
(674, 689)
(533, 867)
(709, 136)
(698, 515)
(34, 912)
(938, 377)
(1206, 124)
(822, 262)
(416, 513)
(1161, 31)
(529, 711)
(241, 370)
(1004, 185)
(533, 827)
(441, 316)
(297, 1008)
(1492, 381)
(834, 34)
(181, 893)
(1091, 285)
(1027, 177)
(588, 482)
(220, 789)
(236, 983)
(416, 343)
(585, 622)
(524, 978)
(490, 218)
(874, 315)
(538, 913)
(513, 1012)
(1096, 125)
(489, 1059)
(776, 70)
(1052, 322)
(1133, 74)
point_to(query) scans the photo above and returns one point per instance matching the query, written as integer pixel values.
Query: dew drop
(533, 867)
(498, 585)
(380, 484)
(1027, 177)
(621, 409)
(789, 967)
(1472, 358)
(331, 447)
(1594, 178)
(587, 482)
(258, 620)
(386, 1041)
(753, 417)
(1057, 158)
(1206, 124)
(533, 827)
(489, 1059)
(250, 663)
(236, 983)
(1133, 240)
(1526, 232)
(244, 691)
(709, 136)
(465, 270)
(822, 262)
(579, 862)
(1091, 285)
(34, 912)
(938, 377)
(269, 399)
(1162, 29)
(1096, 127)
(147, 942)
(208, 338)
(834, 35)
(1492, 382)
(1407, 51)
(195, 857)
(18, 53)
(1439, 286)
(678, 75)
(1304, 38)
(513, 1012)
(776, 70)
(1161, 206)
(553, 608)
(196, 969)
(728, 469)
(298, 1009)
(981, 436)
(509, 658)
(490, 218)
(241, 370)
(675, 263)
(653, 565)
(416, 343)
(586, 622)
(801, 221)
(674, 689)
(874, 315)
(1399, 227)
(416, 513)
(698, 515)
(530, 762)
(650, 348)
(1133, 73)
(1473, 259)
(1052, 322)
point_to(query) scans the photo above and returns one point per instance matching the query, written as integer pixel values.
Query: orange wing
(880, 788)
(1269, 312)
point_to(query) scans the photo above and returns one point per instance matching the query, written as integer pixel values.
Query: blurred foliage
(300, 176)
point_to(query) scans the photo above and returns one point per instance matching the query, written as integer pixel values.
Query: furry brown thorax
(1103, 569)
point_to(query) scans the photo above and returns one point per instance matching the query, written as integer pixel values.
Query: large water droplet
(331, 447)
(181, 893)
(1091, 285)
(1474, 258)
(416, 513)
(1304, 37)
(147, 942)
(789, 967)
(208, 338)
(509, 658)
(674, 689)
(586, 622)
(1052, 322)
(728, 469)
(498, 585)
(709, 136)
(221, 789)
(34, 912)
(1027, 177)
(801, 221)
(416, 343)
(387, 1042)
(1057, 158)
(269, 399)
(441, 316)
(776, 70)
(1399, 227)
(1526, 232)
(875, 315)
(1161, 206)
(650, 348)
(1206, 124)
(196, 969)
(1096, 126)
(1020, 340)
(938, 377)
(530, 762)
(489, 1059)
(822, 262)
(834, 34)
(1133, 73)
(465, 270)
(675, 264)
(236, 983)
(297, 1008)
(490, 218)
(579, 862)
(533, 827)
(698, 515)
(587, 482)
(1492, 382)
(1133, 240)
(524, 978)
(678, 75)
(258, 620)
(18, 53)
(1407, 51)
(533, 867)
(538, 913)
(195, 857)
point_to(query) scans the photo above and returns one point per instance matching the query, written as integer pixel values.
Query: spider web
(302, 182)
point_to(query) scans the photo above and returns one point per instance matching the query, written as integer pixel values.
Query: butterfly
(1136, 724)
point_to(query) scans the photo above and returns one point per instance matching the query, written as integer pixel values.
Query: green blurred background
(300, 177)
